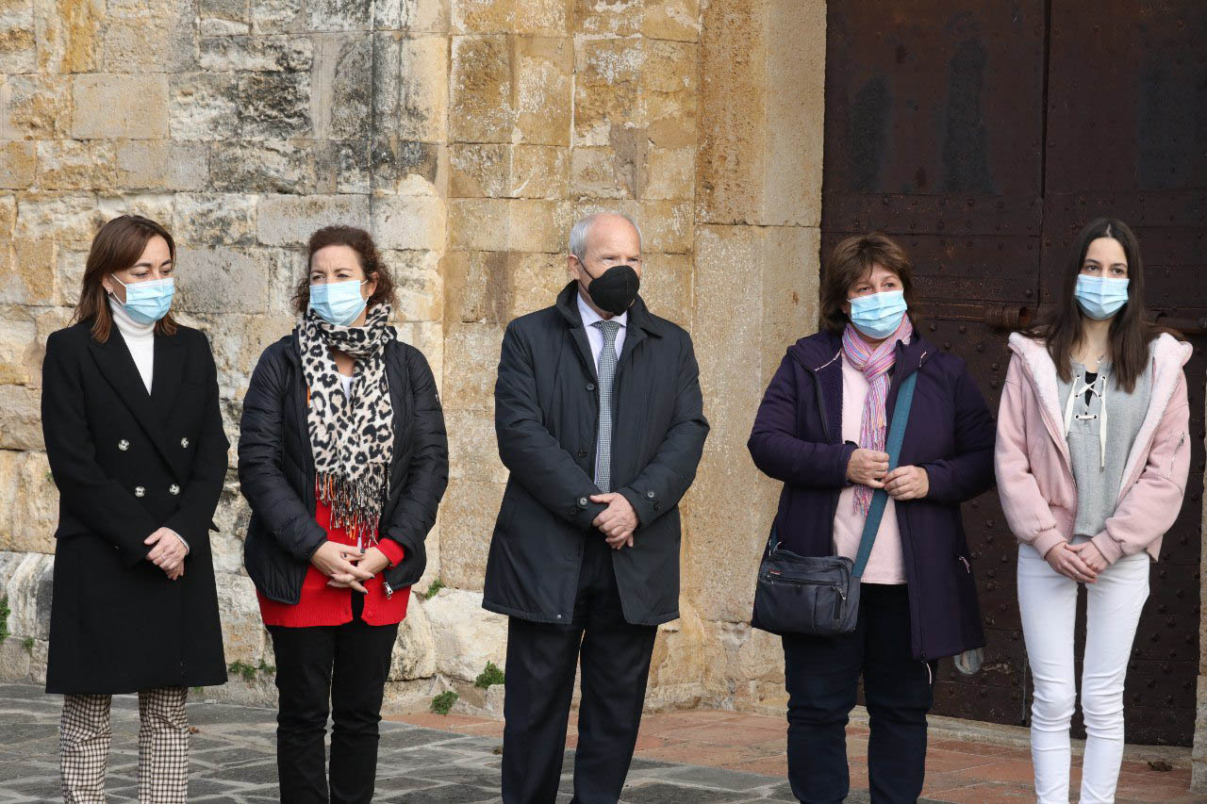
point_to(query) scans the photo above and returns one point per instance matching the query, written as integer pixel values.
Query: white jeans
(1048, 603)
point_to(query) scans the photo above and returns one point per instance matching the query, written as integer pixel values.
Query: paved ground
(427, 759)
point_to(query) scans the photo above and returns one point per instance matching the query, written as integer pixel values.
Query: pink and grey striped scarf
(874, 364)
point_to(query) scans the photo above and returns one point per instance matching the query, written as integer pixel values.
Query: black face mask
(615, 290)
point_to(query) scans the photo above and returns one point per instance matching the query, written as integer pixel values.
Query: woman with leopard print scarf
(343, 458)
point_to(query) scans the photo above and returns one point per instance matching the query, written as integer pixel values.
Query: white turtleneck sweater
(139, 338)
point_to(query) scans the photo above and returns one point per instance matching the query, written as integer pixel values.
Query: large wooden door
(983, 135)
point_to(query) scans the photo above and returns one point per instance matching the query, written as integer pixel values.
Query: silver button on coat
(184, 442)
(123, 445)
(139, 491)
(173, 489)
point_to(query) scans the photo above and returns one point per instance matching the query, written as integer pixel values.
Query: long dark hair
(116, 247)
(1130, 332)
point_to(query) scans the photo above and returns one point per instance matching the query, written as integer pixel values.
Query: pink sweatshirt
(885, 564)
(1034, 475)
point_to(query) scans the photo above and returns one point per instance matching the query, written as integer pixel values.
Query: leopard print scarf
(352, 439)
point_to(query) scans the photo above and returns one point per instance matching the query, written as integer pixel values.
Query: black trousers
(340, 669)
(541, 658)
(822, 675)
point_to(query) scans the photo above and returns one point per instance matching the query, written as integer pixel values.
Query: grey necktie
(607, 373)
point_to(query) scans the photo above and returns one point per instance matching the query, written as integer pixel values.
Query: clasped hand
(870, 468)
(168, 552)
(1081, 562)
(617, 522)
(347, 566)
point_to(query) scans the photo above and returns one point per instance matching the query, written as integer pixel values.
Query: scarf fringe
(356, 507)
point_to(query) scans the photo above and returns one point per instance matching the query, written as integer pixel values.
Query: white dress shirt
(595, 335)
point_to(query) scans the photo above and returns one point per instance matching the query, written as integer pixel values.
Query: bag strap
(905, 398)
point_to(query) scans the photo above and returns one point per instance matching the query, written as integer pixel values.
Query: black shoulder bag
(820, 595)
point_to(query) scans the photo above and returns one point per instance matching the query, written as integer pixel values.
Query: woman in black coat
(134, 437)
(343, 458)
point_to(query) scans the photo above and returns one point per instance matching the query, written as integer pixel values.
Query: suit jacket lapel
(169, 368)
(115, 362)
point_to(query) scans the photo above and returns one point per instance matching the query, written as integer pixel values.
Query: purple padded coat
(797, 438)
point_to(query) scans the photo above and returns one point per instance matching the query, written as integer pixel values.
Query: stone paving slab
(233, 760)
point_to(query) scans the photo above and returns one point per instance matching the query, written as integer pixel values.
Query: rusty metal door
(983, 135)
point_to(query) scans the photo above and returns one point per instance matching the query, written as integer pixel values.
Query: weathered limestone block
(156, 206)
(537, 225)
(146, 165)
(348, 59)
(20, 418)
(418, 284)
(666, 286)
(669, 93)
(29, 586)
(274, 105)
(220, 279)
(472, 447)
(467, 520)
(237, 342)
(414, 654)
(18, 163)
(540, 171)
(224, 17)
(677, 20)
(549, 17)
(403, 167)
(535, 280)
(544, 69)
(243, 635)
(478, 286)
(30, 511)
(18, 39)
(34, 107)
(416, 16)
(214, 218)
(481, 90)
(76, 165)
(412, 78)
(204, 106)
(686, 669)
(20, 357)
(466, 635)
(110, 106)
(480, 171)
(478, 223)
(162, 41)
(67, 34)
(622, 18)
(273, 166)
(667, 226)
(409, 222)
(339, 15)
(607, 88)
(671, 174)
(471, 351)
(600, 173)
(746, 300)
(257, 53)
(284, 220)
(764, 77)
(66, 219)
(232, 518)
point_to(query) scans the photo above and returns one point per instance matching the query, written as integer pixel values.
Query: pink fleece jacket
(1034, 474)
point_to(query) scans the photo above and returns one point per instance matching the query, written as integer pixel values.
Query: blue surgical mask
(337, 303)
(147, 302)
(877, 316)
(1100, 297)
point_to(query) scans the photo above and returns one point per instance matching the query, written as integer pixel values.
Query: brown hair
(116, 247)
(362, 243)
(850, 261)
(1130, 333)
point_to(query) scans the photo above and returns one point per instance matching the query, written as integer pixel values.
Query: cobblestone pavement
(233, 760)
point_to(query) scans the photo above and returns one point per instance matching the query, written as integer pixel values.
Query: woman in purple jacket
(821, 429)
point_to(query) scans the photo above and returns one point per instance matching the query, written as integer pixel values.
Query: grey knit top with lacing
(1101, 421)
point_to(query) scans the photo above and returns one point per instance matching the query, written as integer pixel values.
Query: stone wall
(466, 135)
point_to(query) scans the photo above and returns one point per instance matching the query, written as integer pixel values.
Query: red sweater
(321, 604)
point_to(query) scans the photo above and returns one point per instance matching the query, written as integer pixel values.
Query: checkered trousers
(163, 747)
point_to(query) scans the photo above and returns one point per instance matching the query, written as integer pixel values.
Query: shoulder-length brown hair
(362, 243)
(1130, 333)
(850, 261)
(116, 247)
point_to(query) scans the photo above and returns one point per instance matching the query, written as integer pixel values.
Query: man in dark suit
(600, 420)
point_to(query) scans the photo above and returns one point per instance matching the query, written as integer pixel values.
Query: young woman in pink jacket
(1093, 451)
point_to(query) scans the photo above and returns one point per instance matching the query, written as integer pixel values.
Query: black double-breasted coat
(547, 420)
(127, 463)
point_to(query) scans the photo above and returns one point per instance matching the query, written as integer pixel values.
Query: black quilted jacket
(276, 469)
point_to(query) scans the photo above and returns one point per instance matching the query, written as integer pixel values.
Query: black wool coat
(127, 463)
(546, 419)
(277, 474)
